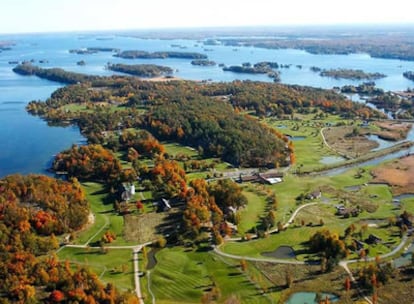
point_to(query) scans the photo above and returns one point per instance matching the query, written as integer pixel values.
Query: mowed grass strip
(177, 277)
(250, 215)
(183, 276)
(95, 194)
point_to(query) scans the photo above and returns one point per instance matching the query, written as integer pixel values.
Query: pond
(309, 298)
(404, 196)
(405, 258)
(353, 188)
(282, 252)
(152, 260)
(296, 138)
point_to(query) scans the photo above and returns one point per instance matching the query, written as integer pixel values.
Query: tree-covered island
(133, 54)
(351, 74)
(141, 70)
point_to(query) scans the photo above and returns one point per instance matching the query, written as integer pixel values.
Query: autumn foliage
(91, 162)
(33, 210)
(209, 206)
(169, 180)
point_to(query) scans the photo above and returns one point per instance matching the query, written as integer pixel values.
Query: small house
(314, 195)
(162, 205)
(373, 239)
(271, 178)
(358, 244)
(248, 178)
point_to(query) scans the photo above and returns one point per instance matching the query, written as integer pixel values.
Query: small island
(203, 62)
(350, 74)
(6, 45)
(367, 89)
(315, 69)
(134, 54)
(93, 50)
(81, 63)
(409, 75)
(141, 70)
(53, 74)
(258, 68)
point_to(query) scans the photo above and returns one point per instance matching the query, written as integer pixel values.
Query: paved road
(247, 258)
(136, 250)
(343, 263)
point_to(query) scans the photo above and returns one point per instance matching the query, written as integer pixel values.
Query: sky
(22, 16)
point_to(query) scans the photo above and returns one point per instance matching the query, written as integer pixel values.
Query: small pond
(396, 200)
(404, 196)
(152, 260)
(353, 188)
(405, 258)
(295, 138)
(282, 252)
(309, 298)
(328, 160)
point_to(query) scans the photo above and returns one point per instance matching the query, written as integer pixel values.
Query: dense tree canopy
(142, 70)
(210, 205)
(208, 117)
(34, 210)
(90, 162)
(214, 126)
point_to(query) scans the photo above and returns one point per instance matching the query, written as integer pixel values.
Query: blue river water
(28, 144)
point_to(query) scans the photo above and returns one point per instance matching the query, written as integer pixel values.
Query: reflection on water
(310, 298)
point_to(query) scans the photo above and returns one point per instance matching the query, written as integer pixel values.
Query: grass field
(309, 149)
(175, 148)
(183, 276)
(376, 198)
(105, 217)
(251, 214)
(115, 266)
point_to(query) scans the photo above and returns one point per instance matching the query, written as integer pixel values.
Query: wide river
(28, 144)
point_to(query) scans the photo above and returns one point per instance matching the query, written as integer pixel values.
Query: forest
(258, 68)
(219, 131)
(396, 46)
(135, 54)
(141, 70)
(206, 116)
(409, 75)
(54, 74)
(203, 62)
(351, 74)
(34, 211)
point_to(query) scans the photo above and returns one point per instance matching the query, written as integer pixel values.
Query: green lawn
(105, 218)
(251, 214)
(175, 148)
(311, 216)
(115, 266)
(309, 150)
(181, 276)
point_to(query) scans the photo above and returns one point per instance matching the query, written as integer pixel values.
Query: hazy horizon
(26, 16)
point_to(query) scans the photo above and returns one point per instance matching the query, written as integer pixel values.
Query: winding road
(343, 263)
(135, 251)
